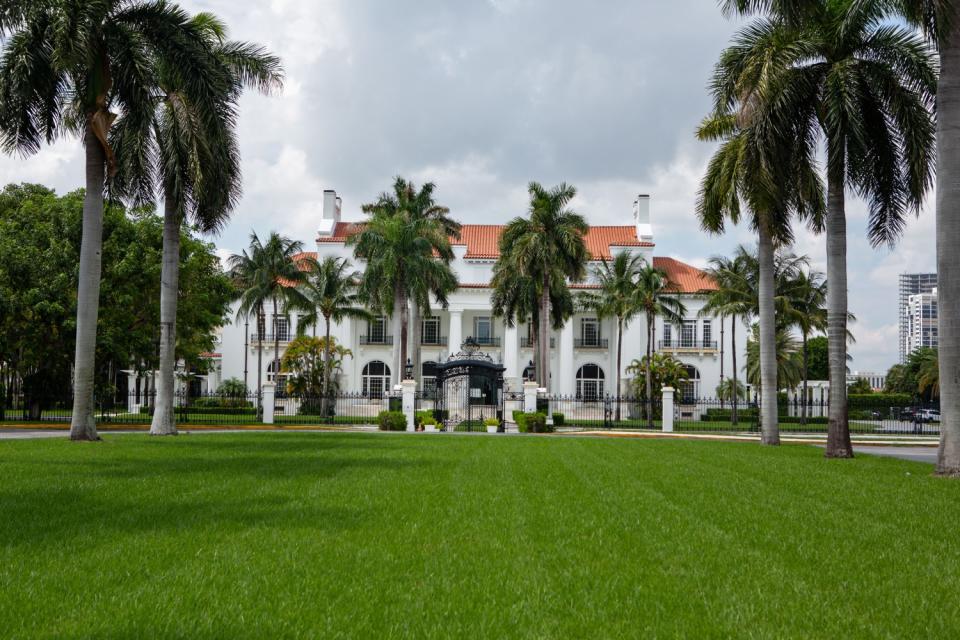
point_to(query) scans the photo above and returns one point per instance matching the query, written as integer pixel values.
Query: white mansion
(583, 353)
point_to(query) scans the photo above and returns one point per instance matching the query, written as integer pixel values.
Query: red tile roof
(685, 278)
(482, 240)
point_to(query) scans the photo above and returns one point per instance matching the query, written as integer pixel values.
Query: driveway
(915, 454)
(22, 434)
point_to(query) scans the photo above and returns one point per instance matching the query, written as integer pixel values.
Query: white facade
(583, 353)
(911, 284)
(922, 327)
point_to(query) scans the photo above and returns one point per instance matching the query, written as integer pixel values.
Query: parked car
(929, 415)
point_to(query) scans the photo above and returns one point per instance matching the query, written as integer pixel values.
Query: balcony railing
(433, 341)
(486, 341)
(268, 337)
(375, 340)
(693, 345)
(527, 343)
(591, 343)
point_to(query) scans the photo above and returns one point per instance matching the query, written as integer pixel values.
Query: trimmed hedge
(879, 400)
(721, 415)
(532, 422)
(558, 419)
(206, 411)
(392, 421)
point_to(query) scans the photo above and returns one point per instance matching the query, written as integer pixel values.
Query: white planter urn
(429, 428)
(492, 428)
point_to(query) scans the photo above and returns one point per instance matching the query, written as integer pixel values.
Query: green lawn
(365, 535)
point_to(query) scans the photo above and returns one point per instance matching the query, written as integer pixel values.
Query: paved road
(916, 454)
(22, 434)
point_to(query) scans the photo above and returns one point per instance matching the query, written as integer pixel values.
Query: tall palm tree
(731, 299)
(617, 298)
(940, 21)
(788, 359)
(771, 170)
(549, 248)
(839, 70)
(268, 272)
(70, 68)
(406, 245)
(805, 307)
(330, 293)
(191, 148)
(655, 298)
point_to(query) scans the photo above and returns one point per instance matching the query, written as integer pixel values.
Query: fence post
(269, 402)
(667, 418)
(529, 397)
(409, 402)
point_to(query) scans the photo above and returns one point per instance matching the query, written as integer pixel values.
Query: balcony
(527, 343)
(433, 341)
(268, 337)
(591, 343)
(376, 340)
(486, 341)
(687, 345)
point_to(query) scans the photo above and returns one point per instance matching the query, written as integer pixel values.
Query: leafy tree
(70, 68)
(818, 365)
(330, 293)
(188, 149)
(805, 308)
(839, 71)
(549, 249)
(860, 386)
(655, 299)
(268, 272)
(617, 298)
(788, 360)
(405, 244)
(314, 364)
(928, 373)
(652, 373)
(731, 389)
(233, 387)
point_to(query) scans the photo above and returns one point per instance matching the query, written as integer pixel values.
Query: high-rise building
(912, 284)
(922, 314)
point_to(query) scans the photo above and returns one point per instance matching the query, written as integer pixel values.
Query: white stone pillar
(667, 420)
(511, 352)
(530, 397)
(564, 376)
(456, 330)
(269, 402)
(132, 405)
(409, 394)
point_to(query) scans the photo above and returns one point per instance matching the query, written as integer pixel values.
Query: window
(280, 379)
(707, 333)
(590, 332)
(590, 383)
(667, 335)
(483, 330)
(377, 330)
(690, 388)
(688, 333)
(375, 379)
(430, 331)
(282, 327)
(428, 377)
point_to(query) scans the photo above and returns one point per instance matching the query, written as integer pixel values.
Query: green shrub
(208, 402)
(878, 400)
(558, 419)
(491, 422)
(722, 415)
(543, 406)
(392, 421)
(395, 404)
(521, 419)
(537, 423)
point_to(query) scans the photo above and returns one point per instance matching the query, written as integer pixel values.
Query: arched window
(375, 378)
(590, 382)
(428, 376)
(690, 388)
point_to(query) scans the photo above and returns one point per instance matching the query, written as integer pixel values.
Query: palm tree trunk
(948, 258)
(276, 349)
(261, 325)
(733, 365)
(82, 423)
(404, 314)
(770, 430)
(619, 364)
(543, 344)
(327, 356)
(838, 433)
(164, 418)
(649, 374)
(417, 325)
(722, 345)
(803, 407)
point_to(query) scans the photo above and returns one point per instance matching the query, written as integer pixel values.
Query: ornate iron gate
(469, 390)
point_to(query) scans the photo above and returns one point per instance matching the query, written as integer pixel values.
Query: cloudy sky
(482, 96)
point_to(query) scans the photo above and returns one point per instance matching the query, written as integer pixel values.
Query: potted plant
(429, 425)
(492, 424)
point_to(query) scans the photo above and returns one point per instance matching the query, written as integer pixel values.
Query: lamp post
(408, 370)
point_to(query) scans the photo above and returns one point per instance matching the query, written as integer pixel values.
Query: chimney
(330, 215)
(641, 218)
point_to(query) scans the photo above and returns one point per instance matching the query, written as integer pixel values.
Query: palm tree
(788, 362)
(732, 298)
(197, 164)
(805, 300)
(940, 21)
(330, 293)
(774, 174)
(654, 298)
(70, 68)
(407, 250)
(840, 70)
(617, 298)
(549, 248)
(268, 272)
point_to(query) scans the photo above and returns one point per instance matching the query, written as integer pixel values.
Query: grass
(353, 535)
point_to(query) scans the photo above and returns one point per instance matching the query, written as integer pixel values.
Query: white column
(530, 397)
(456, 330)
(409, 393)
(132, 405)
(566, 373)
(667, 420)
(511, 352)
(268, 402)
